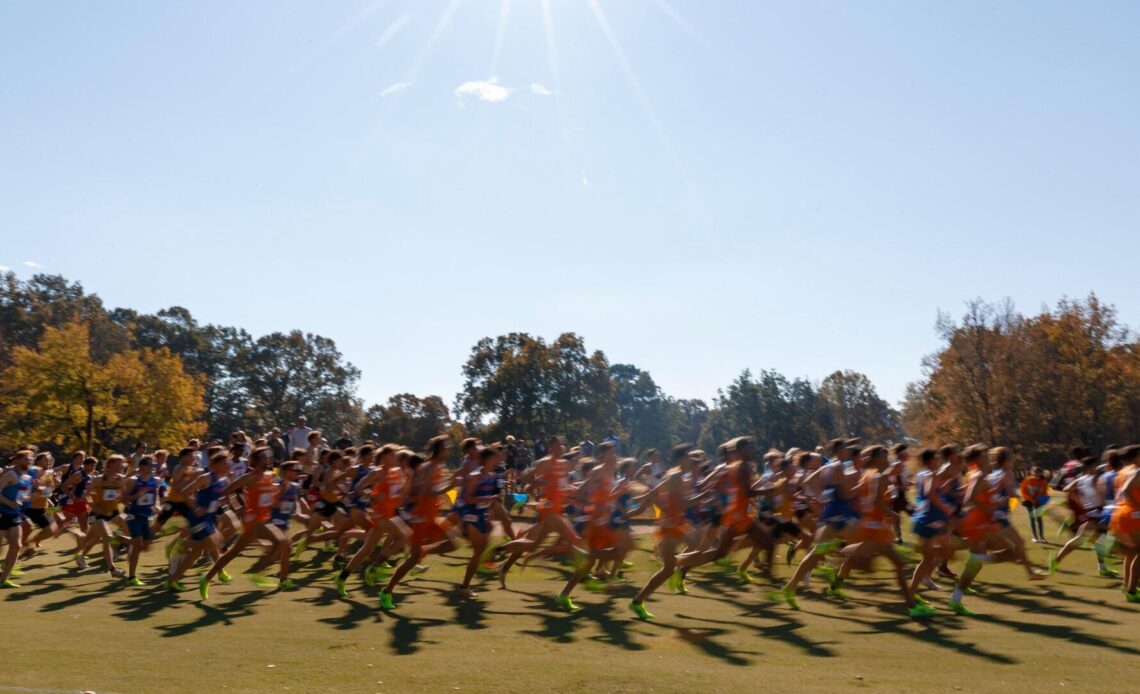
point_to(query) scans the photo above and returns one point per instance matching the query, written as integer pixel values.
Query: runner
(140, 494)
(428, 532)
(876, 532)
(15, 489)
(260, 493)
(1031, 491)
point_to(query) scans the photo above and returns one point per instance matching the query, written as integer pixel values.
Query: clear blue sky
(696, 187)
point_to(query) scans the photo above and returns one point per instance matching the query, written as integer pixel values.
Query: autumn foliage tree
(1043, 383)
(60, 393)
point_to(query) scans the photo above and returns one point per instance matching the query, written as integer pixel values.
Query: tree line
(74, 373)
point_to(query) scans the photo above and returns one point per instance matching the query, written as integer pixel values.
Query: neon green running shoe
(626, 564)
(287, 584)
(224, 577)
(1109, 573)
(921, 611)
(681, 589)
(204, 587)
(1052, 563)
(386, 602)
(785, 595)
(566, 603)
(594, 585)
(136, 581)
(300, 547)
(744, 576)
(725, 563)
(921, 600)
(826, 572)
(957, 606)
(9, 584)
(341, 590)
(17, 571)
(827, 547)
(837, 593)
(175, 586)
(639, 609)
(369, 576)
(263, 582)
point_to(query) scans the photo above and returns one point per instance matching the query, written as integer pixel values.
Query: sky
(694, 186)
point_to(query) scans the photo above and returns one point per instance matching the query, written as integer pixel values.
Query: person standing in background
(299, 436)
(275, 442)
(344, 442)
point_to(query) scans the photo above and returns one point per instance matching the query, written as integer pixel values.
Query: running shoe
(639, 609)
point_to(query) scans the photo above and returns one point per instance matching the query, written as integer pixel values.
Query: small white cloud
(32, 264)
(4, 268)
(540, 90)
(395, 88)
(484, 90)
(585, 180)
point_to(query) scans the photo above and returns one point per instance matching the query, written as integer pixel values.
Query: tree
(27, 309)
(286, 375)
(59, 394)
(410, 420)
(1042, 383)
(518, 384)
(856, 408)
(207, 351)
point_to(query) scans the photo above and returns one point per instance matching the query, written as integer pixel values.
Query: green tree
(519, 384)
(286, 375)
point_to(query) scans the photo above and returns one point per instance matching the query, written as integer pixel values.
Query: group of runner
(382, 509)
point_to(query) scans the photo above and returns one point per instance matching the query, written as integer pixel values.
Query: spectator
(344, 442)
(277, 445)
(512, 452)
(299, 436)
(587, 446)
(540, 446)
(140, 451)
(611, 437)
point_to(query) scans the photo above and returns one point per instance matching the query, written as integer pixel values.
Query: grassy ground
(1074, 631)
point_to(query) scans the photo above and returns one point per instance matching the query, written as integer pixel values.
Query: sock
(956, 596)
(344, 575)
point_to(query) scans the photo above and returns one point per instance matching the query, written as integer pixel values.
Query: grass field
(68, 630)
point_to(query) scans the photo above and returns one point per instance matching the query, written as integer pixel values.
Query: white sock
(956, 596)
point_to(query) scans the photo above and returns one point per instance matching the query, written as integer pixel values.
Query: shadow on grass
(80, 598)
(145, 604)
(210, 615)
(787, 631)
(927, 631)
(702, 640)
(407, 635)
(1061, 632)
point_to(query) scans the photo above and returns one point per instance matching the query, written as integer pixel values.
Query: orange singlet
(672, 522)
(736, 514)
(599, 533)
(259, 498)
(873, 524)
(426, 528)
(1126, 518)
(978, 523)
(387, 501)
(554, 488)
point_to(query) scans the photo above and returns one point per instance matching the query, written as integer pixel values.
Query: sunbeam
(635, 84)
(500, 34)
(393, 29)
(440, 27)
(686, 26)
